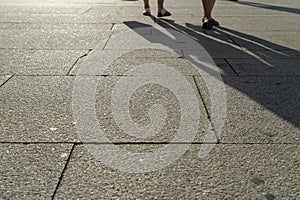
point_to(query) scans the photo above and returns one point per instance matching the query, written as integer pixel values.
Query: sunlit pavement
(99, 102)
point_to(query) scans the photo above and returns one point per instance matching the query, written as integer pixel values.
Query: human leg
(160, 5)
(208, 21)
(147, 10)
(208, 6)
(146, 4)
(161, 11)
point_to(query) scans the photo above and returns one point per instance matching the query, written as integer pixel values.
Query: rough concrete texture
(92, 92)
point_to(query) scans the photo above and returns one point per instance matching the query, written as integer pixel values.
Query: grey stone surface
(58, 2)
(141, 101)
(41, 9)
(53, 19)
(239, 171)
(39, 109)
(57, 14)
(117, 62)
(120, 27)
(247, 9)
(31, 171)
(273, 54)
(266, 66)
(40, 40)
(128, 61)
(260, 40)
(38, 62)
(4, 78)
(259, 109)
(63, 36)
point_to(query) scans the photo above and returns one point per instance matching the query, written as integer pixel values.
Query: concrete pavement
(92, 92)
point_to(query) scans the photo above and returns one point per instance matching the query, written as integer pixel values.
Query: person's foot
(208, 23)
(147, 12)
(214, 22)
(163, 13)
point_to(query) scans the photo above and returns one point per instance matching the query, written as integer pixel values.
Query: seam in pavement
(77, 60)
(45, 49)
(106, 42)
(117, 75)
(202, 99)
(26, 143)
(206, 110)
(104, 143)
(151, 143)
(231, 67)
(112, 26)
(62, 174)
(87, 10)
(7, 80)
(229, 36)
(52, 23)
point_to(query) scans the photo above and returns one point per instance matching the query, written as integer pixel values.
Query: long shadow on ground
(266, 72)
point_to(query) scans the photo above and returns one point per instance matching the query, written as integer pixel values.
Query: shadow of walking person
(269, 7)
(261, 77)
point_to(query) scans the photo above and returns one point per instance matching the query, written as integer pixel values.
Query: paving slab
(37, 109)
(253, 22)
(177, 118)
(279, 6)
(58, 2)
(277, 2)
(4, 78)
(40, 9)
(117, 62)
(57, 14)
(259, 109)
(44, 109)
(245, 9)
(49, 36)
(239, 171)
(31, 171)
(293, 41)
(275, 54)
(53, 19)
(98, 18)
(97, 10)
(256, 50)
(261, 40)
(38, 62)
(134, 58)
(4, 26)
(244, 23)
(214, 40)
(122, 27)
(161, 34)
(266, 66)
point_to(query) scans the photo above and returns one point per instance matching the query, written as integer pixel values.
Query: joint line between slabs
(106, 42)
(62, 174)
(206, 110)
(231, 67)
(77, 60)
(146, 143)
(87, 10)
(7, 80)
(112, 26)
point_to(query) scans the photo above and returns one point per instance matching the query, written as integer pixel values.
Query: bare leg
(146, 4)
(208, 6)
(208, 21)
(160, 5)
